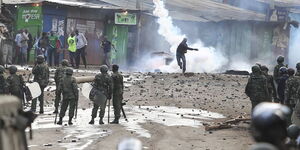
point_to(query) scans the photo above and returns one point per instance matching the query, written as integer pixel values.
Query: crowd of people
(50, 46)
(105, 87)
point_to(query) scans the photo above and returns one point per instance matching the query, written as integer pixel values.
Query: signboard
(279, 14)
(31, 15)
(125, 18)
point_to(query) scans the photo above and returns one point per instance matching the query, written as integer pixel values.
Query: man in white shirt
(81, 44)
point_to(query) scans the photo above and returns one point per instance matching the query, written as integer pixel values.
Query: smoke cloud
(207, 59)
(294, 56)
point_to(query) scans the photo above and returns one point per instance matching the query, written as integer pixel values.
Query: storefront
(30, 17)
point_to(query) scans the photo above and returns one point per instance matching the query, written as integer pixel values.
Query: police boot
(116, 121)
(92, 121)
(101, 120)
(55, 111)
(70, 121)
(60, 121)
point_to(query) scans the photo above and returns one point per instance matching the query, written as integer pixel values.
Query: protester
(180, 54)
(81, 44)
(43, 45)
(18, 47)
(106, 45)
(24, 47)
(30, 44)
(52, 51)
(72, 48)
(7, 47)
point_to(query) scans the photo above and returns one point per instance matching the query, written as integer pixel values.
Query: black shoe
(41, 112)
(116, 121)
(92, 121)
(70, 122)
(60, 121)
(101, 121)
(55, 111)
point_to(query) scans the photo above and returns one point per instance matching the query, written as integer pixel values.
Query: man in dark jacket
(181, 50)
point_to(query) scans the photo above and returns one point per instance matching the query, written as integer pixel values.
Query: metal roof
(190, 10)
(77, 3)
(194, 10)
(282, 3)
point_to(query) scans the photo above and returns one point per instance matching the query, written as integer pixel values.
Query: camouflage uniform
(15, 83)
(41, 75)
(102, 83)
(291, 95)
(271, 86)
(118, 86)
(59, 74)
(291, 89)
(3, 83)
(69, 89)
(257, 87)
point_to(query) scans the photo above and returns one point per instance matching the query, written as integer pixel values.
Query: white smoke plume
(294, 56)
(207, 59)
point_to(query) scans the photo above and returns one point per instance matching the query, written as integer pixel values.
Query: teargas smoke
(207, 59)
(294, 56)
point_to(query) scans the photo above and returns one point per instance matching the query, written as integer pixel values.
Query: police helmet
(291, 71)
(255, 69)
(115, 67)
(65, 62)
(103, 69)
(12, 69)
(280, 59)
(69, 71)
(40, 59)
(267, 118)
(264, 68)
(293, 131)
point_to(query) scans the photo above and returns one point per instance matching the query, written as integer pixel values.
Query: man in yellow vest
(72, 48)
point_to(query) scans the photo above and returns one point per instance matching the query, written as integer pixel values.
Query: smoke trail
(207, 59)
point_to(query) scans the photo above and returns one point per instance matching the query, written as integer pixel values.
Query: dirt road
(165, 111)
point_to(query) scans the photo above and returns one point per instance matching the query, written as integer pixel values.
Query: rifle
(123, 112)
(76, 106)
(56, 114)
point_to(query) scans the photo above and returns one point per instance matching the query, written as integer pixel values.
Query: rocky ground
(164, 111)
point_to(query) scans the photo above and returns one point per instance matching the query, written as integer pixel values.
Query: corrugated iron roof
(190, 10)
(77, 3)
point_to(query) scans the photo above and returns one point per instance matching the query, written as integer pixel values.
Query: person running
(180, 54)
